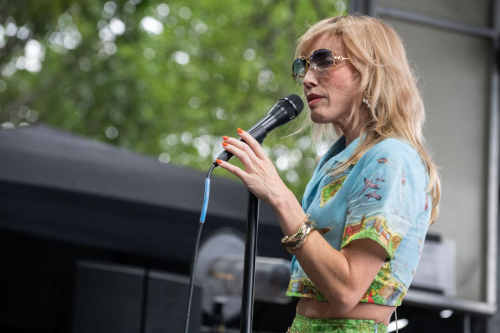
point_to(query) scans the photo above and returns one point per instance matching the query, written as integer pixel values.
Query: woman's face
(330, 97)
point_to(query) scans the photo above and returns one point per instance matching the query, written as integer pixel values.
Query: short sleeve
(387, 196)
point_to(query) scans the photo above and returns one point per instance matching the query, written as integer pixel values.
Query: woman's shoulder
(397, 149)
(394, 154)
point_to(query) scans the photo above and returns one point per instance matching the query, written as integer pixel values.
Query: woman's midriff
(311, 308)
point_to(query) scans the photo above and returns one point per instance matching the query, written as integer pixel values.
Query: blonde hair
(383, 73)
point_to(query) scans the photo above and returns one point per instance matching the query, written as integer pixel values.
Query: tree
(164, 79)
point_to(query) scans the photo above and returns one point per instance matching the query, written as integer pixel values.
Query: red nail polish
(225, 137)
(218, 161)
(224, 144)
(239, 130)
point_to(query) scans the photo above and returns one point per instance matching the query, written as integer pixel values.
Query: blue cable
(205, 200)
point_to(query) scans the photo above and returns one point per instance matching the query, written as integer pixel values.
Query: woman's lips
(314, 99)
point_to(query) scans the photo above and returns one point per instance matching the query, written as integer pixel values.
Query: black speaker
(108, 298)
(167, 298)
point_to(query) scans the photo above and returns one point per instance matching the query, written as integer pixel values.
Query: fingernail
(225, 137)
(218, 161)
(224, 144)
(239, 130)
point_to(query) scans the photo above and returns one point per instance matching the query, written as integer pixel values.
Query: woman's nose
(310, 79)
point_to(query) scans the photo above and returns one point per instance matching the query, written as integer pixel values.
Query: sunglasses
(321, 61)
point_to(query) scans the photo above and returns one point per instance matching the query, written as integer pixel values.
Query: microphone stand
(249, 264)
(285, 110)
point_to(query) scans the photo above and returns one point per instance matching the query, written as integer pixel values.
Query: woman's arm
(342, 276)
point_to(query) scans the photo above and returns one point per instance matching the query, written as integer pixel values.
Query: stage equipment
(220, 272)
(166, 300)
(108, 298)
(118, 298)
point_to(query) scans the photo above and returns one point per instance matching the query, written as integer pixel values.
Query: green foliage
(164, 79)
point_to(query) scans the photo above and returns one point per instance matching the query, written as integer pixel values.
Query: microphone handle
(224, 156)
(258, 134)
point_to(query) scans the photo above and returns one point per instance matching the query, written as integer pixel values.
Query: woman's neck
(350, 131)
(350, 137)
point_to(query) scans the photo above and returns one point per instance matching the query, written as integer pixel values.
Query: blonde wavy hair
(382, 72)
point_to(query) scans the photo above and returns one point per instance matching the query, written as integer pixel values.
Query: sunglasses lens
(299, 70)
(322, 61)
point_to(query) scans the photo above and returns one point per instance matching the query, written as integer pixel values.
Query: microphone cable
(197, 243)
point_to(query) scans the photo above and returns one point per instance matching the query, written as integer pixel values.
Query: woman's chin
(318, 118)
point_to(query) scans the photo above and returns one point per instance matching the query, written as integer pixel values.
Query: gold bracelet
(298, 239)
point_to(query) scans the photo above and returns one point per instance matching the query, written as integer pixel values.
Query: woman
(372, 195)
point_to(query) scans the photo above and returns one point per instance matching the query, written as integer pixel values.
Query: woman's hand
(262, 179)
(260, 175)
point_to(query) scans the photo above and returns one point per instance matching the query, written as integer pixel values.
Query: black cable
(191, 281)
(197, 243)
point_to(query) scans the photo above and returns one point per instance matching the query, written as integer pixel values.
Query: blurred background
(111, 112)
(162, 79)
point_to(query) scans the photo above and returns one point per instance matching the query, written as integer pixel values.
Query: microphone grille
(294, 106)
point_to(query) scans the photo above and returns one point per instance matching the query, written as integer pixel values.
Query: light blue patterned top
(382, 197)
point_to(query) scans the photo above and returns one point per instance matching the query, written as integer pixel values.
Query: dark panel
(110, 224)
(108, 298)
(75, 164)
(167, 304)
(37, 282)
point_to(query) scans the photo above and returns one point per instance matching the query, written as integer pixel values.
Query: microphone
(282, 112)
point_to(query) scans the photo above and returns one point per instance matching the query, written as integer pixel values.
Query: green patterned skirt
(306, 325)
